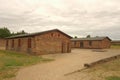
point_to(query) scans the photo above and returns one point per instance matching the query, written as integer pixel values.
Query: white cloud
(75, 17)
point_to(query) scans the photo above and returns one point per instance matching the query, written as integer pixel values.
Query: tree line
(5, 32)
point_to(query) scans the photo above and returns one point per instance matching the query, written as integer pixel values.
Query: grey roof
(90, 39)
(37, 33)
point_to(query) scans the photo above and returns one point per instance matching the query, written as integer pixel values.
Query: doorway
(63, 47)
(68, 47)
(29, 45)
(81, 45)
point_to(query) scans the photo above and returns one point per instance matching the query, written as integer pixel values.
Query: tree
(4, 32)
(75, 37)
(18, 33)
(88, 36)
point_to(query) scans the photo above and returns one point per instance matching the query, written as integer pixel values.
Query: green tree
(4, 32)
(75, 37)
(88, 36)
(18, 33)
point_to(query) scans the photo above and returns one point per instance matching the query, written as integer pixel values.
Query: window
(90, 43)
(52, 34)
(58, 35)
(19, 43)
(13, 43)
(29, 42)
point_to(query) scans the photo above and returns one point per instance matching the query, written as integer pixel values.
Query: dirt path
(64, 64)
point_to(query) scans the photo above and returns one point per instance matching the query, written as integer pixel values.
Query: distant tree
(88, 36)
(19, 33)
(23, 32)
(97, 36)
(4, 32)
(75, 37)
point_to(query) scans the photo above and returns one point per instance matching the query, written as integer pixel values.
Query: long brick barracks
(50, 42)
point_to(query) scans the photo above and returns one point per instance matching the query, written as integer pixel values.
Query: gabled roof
(90, 39)
(38, 33)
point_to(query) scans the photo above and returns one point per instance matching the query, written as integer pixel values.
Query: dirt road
(63, 64)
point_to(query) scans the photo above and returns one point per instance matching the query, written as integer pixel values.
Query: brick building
(93, 42)
(2, 44)
(52, 41)
(115, 42)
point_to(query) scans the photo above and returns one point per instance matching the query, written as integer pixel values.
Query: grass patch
(113, 78)
(10, 62)
(115, 46)
(106, 71)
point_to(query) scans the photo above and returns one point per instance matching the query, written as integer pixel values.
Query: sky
(74, 17)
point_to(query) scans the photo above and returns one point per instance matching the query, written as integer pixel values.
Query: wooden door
(12, 43)
(81, 45)
(68, 47)
(29, 43)
(63, 47)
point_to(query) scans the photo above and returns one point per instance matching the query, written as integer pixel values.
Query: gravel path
(63, 64)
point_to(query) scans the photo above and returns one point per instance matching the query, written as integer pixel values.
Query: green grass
(115, 46)
(105, 71)
(113, 78)
(10, 62)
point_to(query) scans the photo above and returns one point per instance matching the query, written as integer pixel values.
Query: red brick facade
(53, 41)
(115, 42)
(92, 44)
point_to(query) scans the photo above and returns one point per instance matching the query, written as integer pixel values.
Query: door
(63, 47)
(81, 45)
(29, 45)
(68, 47)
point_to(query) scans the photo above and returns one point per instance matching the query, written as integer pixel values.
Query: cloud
(75, 17)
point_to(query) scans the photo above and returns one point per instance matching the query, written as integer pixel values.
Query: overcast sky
(74, 17)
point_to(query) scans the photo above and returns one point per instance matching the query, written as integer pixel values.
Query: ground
(11, 62)
(105, 71)
(64, 64)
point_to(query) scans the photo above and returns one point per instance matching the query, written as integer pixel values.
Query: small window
(90, 43)
(13, 43)
(58, 35)
(19, 42)
(52, 34)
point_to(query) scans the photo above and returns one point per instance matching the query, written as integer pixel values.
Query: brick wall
(94, 44)
(115, 42)
(52, 43)
(2, 44)
(106, 43)
(23, 47)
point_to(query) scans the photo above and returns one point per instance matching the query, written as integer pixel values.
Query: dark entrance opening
(29, 42)
(19, 44)
(81, 45)
(63, 47)
(7, 44)
(12, 43)
(29, 45)
(68, 47)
